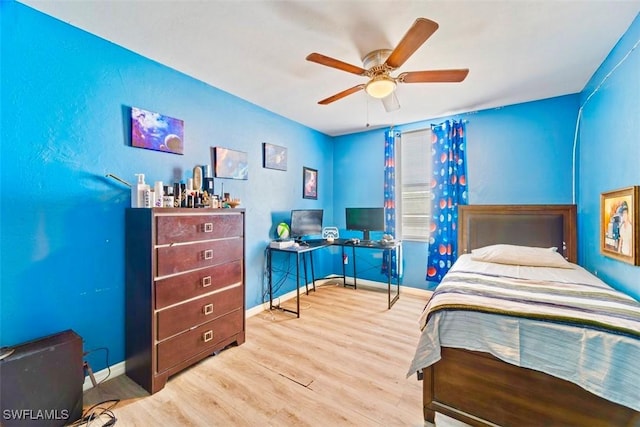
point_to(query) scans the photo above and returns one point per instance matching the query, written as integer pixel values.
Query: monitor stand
(365, 236)
(300, 241)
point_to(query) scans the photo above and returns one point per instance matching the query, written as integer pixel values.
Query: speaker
(41, 382)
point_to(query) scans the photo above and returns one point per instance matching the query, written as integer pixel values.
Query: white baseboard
(119, 368)
(377, 285)
(116, 370)
(335, 279)
(289, 295)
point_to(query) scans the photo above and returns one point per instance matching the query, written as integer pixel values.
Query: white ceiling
(516, 50)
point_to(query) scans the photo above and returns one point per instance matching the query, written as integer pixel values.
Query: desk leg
(298, 284)
(397, 295)
(344, 266)
(313, 274)
(306, 279)
(355, 272)
(389, 274)
(270, 278)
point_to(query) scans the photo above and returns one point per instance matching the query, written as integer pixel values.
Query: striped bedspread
(564, 322)
(581, 304)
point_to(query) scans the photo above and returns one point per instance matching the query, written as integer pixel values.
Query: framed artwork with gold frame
(619, 224)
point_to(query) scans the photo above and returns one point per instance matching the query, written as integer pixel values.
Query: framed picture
(309, 183)
(619, 224)
(154, 131)
(230, 163)
(274, 157)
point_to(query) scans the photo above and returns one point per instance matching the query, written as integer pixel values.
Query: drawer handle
(207, 336)
(206, 281)
(207, 309)
(208, 227)
(208, 254)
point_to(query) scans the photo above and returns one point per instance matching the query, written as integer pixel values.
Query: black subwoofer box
(41, 382)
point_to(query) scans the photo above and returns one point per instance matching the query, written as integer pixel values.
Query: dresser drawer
(179, 258)
(182, 317)
(190, 228)
(182, 347)
(175, 289)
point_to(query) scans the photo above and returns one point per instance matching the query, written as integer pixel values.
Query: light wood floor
(343, 362)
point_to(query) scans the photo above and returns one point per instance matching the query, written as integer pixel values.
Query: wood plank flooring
(342, 363)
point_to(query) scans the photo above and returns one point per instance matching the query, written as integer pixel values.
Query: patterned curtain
(449, 187)
(390, 202)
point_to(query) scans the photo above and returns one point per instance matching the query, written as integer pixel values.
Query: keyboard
(314, 241)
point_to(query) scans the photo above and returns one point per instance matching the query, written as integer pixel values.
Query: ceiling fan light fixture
(380, 86)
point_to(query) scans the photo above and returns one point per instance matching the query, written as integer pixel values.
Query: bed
(559, 371)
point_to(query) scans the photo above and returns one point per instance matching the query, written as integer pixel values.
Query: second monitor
(365, 220)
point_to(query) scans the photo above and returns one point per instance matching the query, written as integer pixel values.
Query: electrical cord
(285, 268)
(579, 117)
(106, 350)
(284, 271)
(95, 413)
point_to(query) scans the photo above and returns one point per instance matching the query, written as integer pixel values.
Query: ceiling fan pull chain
(367, 101)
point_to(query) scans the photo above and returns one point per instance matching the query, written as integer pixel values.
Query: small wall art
(230, 163)
(274, 156)
(154, 131)
(619, 224)
(309, 183)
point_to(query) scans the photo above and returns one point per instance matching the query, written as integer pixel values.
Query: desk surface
(317, 244)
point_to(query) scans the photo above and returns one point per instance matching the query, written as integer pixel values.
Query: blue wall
(65, 99)
(516, 154)
(609, 154)
(65, 105)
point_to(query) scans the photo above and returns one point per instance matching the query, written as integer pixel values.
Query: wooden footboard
(481, 390)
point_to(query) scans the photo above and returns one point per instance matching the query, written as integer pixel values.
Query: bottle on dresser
(140, 193)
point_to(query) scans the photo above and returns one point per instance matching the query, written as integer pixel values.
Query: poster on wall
(619, 224)
(230, 164)
(309, 183)
(274, 157)
(155, 131)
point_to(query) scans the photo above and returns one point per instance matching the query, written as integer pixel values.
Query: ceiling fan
(379, 64)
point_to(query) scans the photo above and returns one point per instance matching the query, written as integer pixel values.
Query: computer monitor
(365, 220)
(306, 222)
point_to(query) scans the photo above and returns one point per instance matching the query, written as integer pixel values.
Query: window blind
(415, 185)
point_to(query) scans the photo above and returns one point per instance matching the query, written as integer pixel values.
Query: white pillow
(521, 255)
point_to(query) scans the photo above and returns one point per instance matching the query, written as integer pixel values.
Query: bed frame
(481, 390)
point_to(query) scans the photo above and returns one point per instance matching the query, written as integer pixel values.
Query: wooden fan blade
(335, 63)
(419, 32)
(434, 76)
(341, 95)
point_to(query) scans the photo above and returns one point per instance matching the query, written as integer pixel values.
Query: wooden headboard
(525, 225)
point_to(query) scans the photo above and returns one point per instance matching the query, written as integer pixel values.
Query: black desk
(308, 249)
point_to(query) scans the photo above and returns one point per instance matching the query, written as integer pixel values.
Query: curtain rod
(465, 121)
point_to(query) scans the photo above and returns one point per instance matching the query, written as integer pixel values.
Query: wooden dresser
(184, 289)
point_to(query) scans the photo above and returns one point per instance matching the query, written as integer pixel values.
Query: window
(414, 181)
